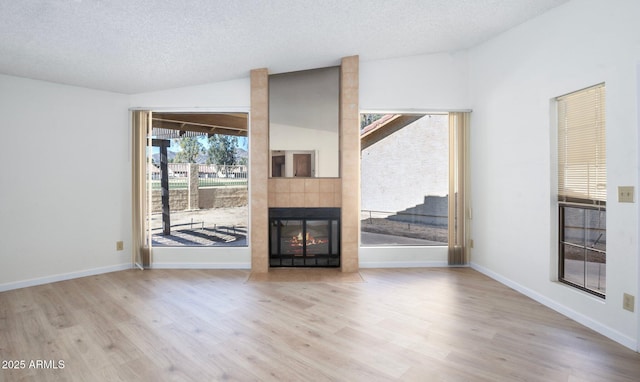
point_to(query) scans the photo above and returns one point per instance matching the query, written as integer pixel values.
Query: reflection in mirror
(303, 123)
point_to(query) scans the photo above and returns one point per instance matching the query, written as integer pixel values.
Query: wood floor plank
(435, 324)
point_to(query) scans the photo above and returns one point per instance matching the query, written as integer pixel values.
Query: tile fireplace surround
(342, 192)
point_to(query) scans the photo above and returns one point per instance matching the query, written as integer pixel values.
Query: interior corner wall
(513, 81)
(65, 182)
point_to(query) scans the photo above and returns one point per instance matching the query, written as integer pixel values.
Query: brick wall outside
(401, 170)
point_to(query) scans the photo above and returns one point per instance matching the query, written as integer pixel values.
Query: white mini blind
(582, 156)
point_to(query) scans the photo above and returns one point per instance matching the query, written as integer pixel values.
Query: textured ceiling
(133, 46)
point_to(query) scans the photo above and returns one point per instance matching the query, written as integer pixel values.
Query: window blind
(582, 165)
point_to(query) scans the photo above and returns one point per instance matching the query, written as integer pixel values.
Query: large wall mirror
(304, 139)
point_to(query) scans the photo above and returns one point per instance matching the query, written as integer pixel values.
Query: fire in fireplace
(304, 237)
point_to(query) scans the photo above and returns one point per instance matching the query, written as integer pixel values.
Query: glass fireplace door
(308, 242)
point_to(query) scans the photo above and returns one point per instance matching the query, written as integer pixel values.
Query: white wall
(65, 183)
(228, 96)
(513, 79)
(426, 82)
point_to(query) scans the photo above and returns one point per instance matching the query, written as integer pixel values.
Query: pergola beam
(204, 129)
(221, 123)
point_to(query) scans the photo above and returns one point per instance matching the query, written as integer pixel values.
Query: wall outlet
(625, 194)
(119, 245)
(628, 302)
(470, 243)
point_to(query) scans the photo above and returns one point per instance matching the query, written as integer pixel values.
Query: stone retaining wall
(200, 198)
(178, 200)
(433, 212)
(219, 197)
(212, 197)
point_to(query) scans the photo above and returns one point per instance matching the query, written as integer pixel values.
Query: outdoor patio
(208, 227)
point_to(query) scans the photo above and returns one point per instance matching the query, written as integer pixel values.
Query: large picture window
(199, 172)
(582, 189)
(404, 179)
(191, 180)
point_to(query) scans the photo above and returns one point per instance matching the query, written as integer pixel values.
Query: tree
(222, 150)
(190, 148)
(367, 119)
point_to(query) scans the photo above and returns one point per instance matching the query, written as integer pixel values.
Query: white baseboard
(201, 266)
(403, 264)
(578, 317)
(63, 276)
(370, 264)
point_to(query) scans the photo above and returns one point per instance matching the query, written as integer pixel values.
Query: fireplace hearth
(304, 237)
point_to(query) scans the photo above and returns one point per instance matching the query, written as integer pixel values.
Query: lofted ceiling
(135, 46)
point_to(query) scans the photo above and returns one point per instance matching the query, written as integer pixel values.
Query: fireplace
(304, 237)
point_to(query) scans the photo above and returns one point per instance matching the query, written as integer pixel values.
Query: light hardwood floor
(209, 325)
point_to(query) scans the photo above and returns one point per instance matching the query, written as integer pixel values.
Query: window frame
(585, 200)
(376, 212)
(562, 242)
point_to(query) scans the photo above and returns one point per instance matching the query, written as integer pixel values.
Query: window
(198, 179)
(404, 179)
(582, 189)
(189, 181)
